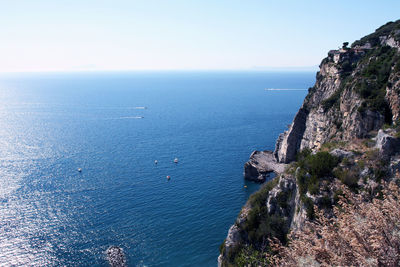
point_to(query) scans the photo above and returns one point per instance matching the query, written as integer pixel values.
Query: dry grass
(361, 234)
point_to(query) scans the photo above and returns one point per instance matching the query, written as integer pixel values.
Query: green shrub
(313, 186)
(321, 164)
(329, 146)
(372, 82)
(325, 202)
(222, 247)
(373, 38)
(386, 126)
(314, 167)
(302, 181)
(380, 173)
(331, 101)
(249, 256)
(346, 67)
(302, 155)
(260, 225)
(346, 162)
(349, 178)
(309, 205)
(361, 164)
(282, 199)
(259, 197)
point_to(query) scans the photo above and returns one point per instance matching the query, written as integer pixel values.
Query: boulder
(116, 256)
(387, 144)
(341, 154)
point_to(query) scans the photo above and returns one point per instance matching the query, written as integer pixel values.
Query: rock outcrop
(387, 144)
(357, 91)
(289, 142)
(280, 202)
(341, 154)
(260, 166)
(350, 97)
(235, 236)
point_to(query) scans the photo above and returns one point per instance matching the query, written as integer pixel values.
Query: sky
(97, 35)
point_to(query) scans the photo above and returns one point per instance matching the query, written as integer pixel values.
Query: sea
(78, 152)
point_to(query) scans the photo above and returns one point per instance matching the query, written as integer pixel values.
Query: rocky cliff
(356, 92)
(346, 132)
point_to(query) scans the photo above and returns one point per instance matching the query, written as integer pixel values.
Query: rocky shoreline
(352, 128)
(260, 165)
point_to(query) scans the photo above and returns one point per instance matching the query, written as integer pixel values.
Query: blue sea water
(113, 126)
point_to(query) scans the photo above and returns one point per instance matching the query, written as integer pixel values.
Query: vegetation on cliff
(373, 80)
(384, 30)
(362, 233)
(258, 227)
(345, 197)
(338, 202)
(367, 71)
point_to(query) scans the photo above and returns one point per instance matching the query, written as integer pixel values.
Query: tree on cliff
(361, 234)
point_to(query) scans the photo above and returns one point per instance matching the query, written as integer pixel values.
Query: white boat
(176, 160)
(79, 170)
(155, 162)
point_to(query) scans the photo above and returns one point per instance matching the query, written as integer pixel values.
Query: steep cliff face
(356, 94)
(268, 213)
(392, 94)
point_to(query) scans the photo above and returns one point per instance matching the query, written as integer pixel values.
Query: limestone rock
(288, 143)
(388, 145)
(233, 238)
(286, 185)
(337, 108)
(334, 108)
(341, 153)
(300, 213)
(392, 95)
(365, 172)
(260, 165)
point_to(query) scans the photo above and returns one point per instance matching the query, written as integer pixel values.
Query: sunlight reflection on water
(53, 215)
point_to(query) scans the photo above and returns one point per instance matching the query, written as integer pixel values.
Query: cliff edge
(346, 132)
(356, 92)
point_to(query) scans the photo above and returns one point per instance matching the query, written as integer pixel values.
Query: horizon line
(256, 69)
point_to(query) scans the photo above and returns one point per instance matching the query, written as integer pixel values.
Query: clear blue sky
(73, 35)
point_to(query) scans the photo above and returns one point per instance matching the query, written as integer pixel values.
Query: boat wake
(125, 118)
(283, 89)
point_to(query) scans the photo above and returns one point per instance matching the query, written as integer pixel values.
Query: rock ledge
(260, 165)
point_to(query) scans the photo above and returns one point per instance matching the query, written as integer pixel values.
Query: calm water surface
(113, 126)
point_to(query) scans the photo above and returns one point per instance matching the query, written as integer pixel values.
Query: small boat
(176, 160)
(168, 177)
(155, 162)
(79, 170)
(245, 186)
